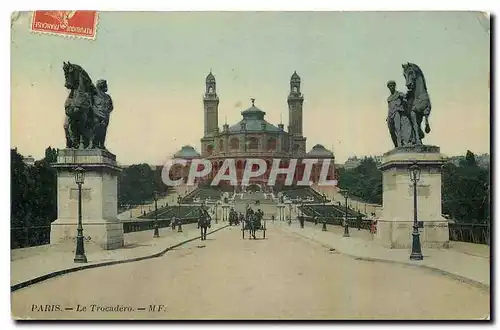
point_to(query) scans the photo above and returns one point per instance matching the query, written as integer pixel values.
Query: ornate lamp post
(416, 250)
(80, 249)
(324, 219)
(179, 201)
(216, 204)
(289, 214)
(156, 232)
(346, 224)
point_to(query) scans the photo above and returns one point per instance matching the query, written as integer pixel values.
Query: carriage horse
(253, 222)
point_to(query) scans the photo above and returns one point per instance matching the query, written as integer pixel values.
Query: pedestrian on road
(301, 220)
(373, 226)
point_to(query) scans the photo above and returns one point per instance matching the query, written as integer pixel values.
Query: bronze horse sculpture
(87, 109)
(407, 111)
(78, 107)
(418, 101)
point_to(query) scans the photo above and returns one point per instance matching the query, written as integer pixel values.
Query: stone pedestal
(395, 224)
(99, 198)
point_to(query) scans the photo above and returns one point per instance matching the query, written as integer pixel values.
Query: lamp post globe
(416, 249)
(80, 256)
(80, 175)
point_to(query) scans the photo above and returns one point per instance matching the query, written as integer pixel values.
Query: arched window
(210, 148)
(296, 147)
(210, 89)
(253, 143)
(271, 144)
(234, 143)
(295, 89)
(221, 145)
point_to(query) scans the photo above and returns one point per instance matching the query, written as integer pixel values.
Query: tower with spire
(295, 102)
(210, 106)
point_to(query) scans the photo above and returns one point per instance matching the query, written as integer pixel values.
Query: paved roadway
(281, 277)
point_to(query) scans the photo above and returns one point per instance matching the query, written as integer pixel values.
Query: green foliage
(137, 183)
(34, 195)
(465, 191)
(363, 182)
(33, 199)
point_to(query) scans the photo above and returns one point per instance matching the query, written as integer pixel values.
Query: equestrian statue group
(87, 109)
(407, 111)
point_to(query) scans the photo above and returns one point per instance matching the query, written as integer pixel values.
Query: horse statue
(78, 107)
(204, 222)
(87, 109)
(417, 101)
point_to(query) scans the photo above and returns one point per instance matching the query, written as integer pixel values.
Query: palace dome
(253, 121)
(319, 151)
(187, 151)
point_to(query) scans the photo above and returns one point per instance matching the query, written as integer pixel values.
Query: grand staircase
(203, 194)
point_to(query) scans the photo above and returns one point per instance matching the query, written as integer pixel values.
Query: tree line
(137, 184)
(33, 199)
(465, 188)
(34, 195)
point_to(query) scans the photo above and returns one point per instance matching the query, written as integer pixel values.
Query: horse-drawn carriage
(253, 221)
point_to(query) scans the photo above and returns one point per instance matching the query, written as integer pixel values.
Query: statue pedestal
(99, 198)
(395, 224)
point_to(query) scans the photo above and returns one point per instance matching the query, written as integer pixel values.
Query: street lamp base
(415, 256)
(324, 227)
(180, 230)
(416, 251)
(80, 258)
(346, 232)
(156, 235)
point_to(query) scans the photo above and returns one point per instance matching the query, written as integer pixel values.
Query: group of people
(176, 223)
(253, 218)
(235, 217)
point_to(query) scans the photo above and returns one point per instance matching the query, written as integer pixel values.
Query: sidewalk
(31, 263)
(465, 266)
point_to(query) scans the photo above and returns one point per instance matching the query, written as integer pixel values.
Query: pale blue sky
(156, 64)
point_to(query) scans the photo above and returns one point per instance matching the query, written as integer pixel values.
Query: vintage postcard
(250, 165)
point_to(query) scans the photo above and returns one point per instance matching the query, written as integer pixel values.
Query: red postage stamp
(77, 23)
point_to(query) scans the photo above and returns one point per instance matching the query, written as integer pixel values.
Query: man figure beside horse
(397, 115)
(103, 105)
